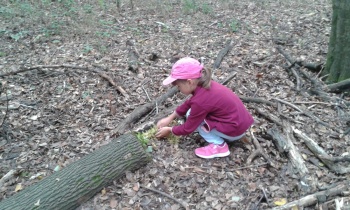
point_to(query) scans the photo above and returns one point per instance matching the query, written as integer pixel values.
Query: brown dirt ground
(63, 114)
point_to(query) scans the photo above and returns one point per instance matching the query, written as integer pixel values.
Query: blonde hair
(204, 81)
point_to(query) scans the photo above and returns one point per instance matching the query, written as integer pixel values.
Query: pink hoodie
(218, 107)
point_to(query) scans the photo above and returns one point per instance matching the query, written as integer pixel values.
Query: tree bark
(79, 181)
(338, 57)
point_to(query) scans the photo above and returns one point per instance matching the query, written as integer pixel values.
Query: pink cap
(185, 68)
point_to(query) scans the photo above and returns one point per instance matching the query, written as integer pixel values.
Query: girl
(213, 110)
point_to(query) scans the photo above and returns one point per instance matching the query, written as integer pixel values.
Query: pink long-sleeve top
(219, 107)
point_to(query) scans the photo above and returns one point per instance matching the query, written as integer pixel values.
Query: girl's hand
(164, 122)
(163, 132)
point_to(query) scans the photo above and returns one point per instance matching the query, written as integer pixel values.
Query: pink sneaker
(212, 151)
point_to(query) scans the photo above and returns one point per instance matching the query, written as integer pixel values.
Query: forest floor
(57, 115)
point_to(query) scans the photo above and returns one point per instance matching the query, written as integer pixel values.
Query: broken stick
(314, 198)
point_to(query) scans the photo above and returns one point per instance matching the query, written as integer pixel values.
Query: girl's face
(185, 86)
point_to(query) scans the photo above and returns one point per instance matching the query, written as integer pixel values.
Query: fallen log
(222, 54)
(138, 113)
(340, 86)
(316, 197)
(285, 144)
(79, 181)
(320, 153)
(258, 151)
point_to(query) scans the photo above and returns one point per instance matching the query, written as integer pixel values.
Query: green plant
(144, 141)
(220, 25)
(7, 12)
(88, 8)
(106, 22)
(234, 25)
(206, 9)
(189, 6)
(26, 8)
(86, 95)
(173, 139)
(102, 4)
(53, 28)
(145, 138)
(87, 48)
(19, 35)
(24, 174)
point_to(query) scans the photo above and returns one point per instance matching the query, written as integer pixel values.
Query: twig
(257, 100)
(256, 205)
(267, 199)
(251, 166)
(222, 53)
(166, 195)
(101, 74)
(7, 177)
(5, 98)
(289, 104)
(258, 151)
(146, 93)
(304, 112)
(269, 116)
(313, 198)
(290, 68)
(229, 78)
(320, 153)
(313, 102)
(141, 111)
(7, 110)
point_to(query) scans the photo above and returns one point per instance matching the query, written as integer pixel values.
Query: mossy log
(80, 180)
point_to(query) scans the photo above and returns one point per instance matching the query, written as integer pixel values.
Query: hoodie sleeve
(195, 118)
(183, 108)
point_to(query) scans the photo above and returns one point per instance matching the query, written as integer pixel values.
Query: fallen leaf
(113, 203)
(235, 198)
(34, 117)
(37, 203)
(280, 202)
(304, 156)
(103, 191)
(18, 187)
(57, 168)
(136, 186)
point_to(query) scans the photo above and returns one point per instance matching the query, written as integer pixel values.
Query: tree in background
(338, 57)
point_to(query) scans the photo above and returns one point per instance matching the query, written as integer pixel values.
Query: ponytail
(204, 81)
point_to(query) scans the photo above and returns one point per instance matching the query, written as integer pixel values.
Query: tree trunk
(79, 181)
(338, 57)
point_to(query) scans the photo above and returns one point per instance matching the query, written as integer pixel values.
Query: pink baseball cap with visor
(185, 68)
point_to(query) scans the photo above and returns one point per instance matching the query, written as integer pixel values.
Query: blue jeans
(214, 136)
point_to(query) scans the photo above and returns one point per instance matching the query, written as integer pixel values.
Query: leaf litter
(63, 114)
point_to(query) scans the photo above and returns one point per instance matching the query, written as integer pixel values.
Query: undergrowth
(97, 22)
(147, 137)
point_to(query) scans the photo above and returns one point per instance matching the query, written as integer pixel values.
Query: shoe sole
(216, 155)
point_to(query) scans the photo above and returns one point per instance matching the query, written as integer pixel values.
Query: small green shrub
(87, 48)
(206, 9)
(19, 35)
(7, 12)
(2, 54)
(234, 25)
(189, 6)
(88, 8)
